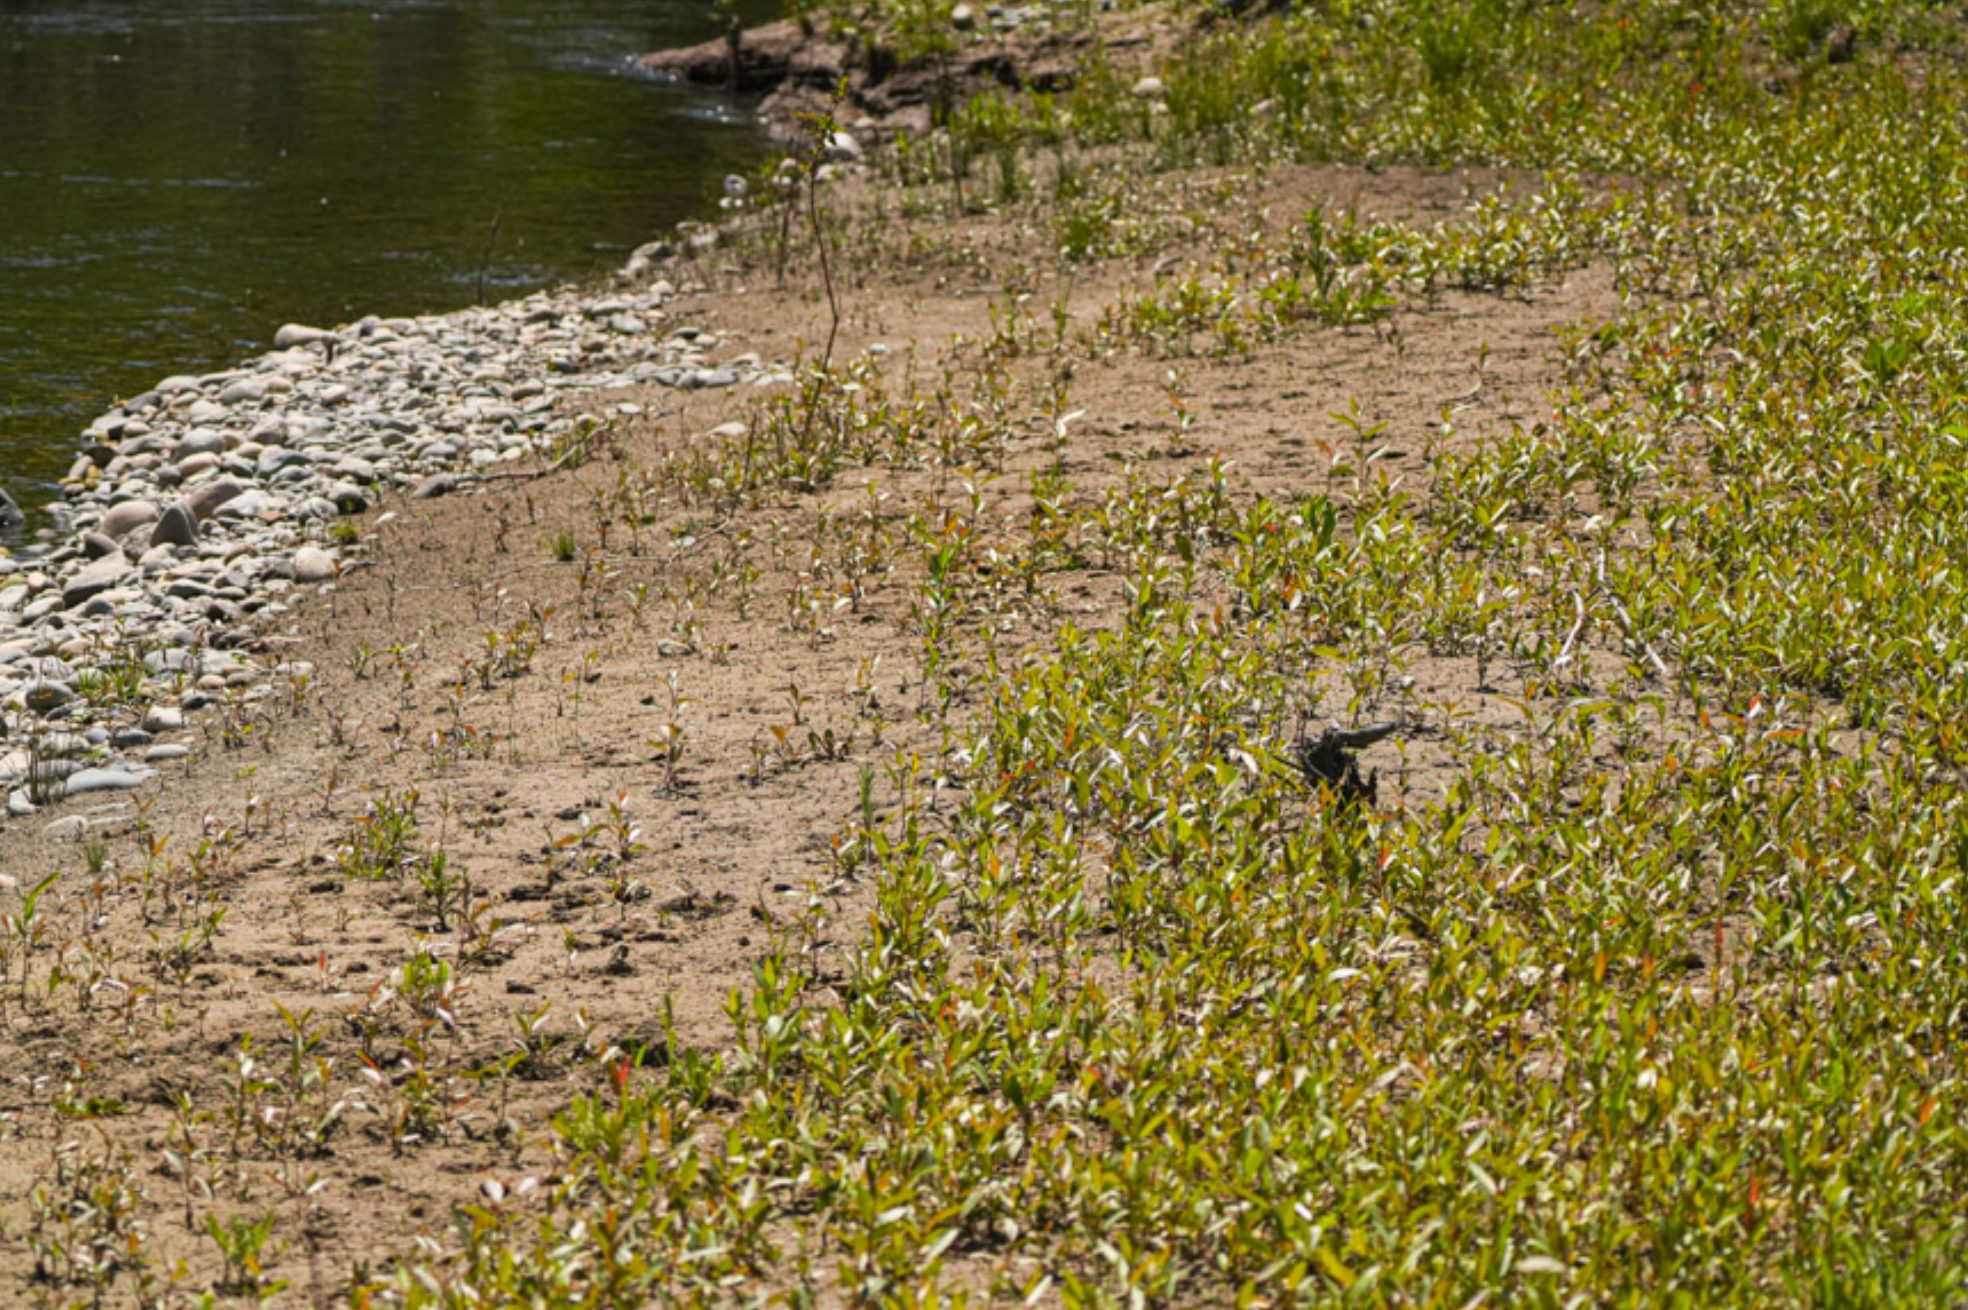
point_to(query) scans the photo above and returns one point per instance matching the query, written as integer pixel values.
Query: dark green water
(180, 177)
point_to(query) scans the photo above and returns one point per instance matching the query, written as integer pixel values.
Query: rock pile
(197, 510)
(799, 68)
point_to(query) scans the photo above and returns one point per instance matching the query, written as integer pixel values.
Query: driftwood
(1330, 760)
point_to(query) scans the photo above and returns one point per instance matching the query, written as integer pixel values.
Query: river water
(180, 177)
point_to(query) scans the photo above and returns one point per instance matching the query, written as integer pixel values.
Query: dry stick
(826, 264)
(823, 128)
(785, 234)
(485, 252)
(943, 117)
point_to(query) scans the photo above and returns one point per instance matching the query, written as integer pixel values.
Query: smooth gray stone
(94, 579)
(20, 806)
(296, 334)
(110, 779)
(199, 441)
(312, 564)
(44, 697)
(173, 751)
(96, 545)
(437, 484)
(131, 738)
(251, 505)
(212, 495)
(163, 718)
(177, 527)
(10, 513)
(127, 517)
(61, 745)
(269, 432)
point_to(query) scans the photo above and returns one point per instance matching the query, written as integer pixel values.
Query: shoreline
(199, 511)
(197, 514)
